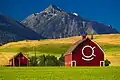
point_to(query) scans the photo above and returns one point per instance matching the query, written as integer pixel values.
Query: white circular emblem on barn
(86, 57)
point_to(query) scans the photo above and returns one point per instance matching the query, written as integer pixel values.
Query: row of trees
(46, 60)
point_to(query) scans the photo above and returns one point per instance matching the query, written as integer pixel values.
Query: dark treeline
(46, 60)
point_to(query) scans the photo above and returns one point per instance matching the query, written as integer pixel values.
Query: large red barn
(18, 60)
(84, 53)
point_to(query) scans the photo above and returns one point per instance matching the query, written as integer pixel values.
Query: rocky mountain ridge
(54, 22)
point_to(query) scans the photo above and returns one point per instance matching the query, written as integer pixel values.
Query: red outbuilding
(18, 60)
(84, 53)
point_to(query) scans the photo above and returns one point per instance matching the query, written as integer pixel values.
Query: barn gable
(87, 46)
(18, 60)
(78, 43)
(16, 55)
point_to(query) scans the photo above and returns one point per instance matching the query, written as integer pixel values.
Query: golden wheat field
(110, 43)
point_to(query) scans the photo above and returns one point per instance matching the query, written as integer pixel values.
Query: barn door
(102, 63)
(73, 63)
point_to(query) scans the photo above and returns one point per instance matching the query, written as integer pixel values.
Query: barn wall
(68, 59)
(77, 55)
(23, 61)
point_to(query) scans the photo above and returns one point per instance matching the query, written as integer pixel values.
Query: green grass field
(60, 73)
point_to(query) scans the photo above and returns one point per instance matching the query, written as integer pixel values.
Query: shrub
(107, 62)
(61, 60)
(33, 61)
(51, 61)
(41, 60)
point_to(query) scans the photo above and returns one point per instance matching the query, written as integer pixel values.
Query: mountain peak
(52, 8)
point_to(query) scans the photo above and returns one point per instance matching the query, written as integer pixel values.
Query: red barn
(84, 53)
(18, 60)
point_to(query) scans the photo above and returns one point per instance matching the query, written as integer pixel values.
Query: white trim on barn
(102, 62)
(87, 59)
(73, 63)
(102, 51)
(13, 61)
(98, 46)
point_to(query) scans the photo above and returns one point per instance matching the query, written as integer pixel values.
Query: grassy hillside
(109, 42)
(59, 73)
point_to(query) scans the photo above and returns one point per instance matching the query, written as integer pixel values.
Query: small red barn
(84, 53)
(18, 60)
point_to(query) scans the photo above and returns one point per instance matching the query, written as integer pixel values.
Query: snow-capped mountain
(54, 22)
